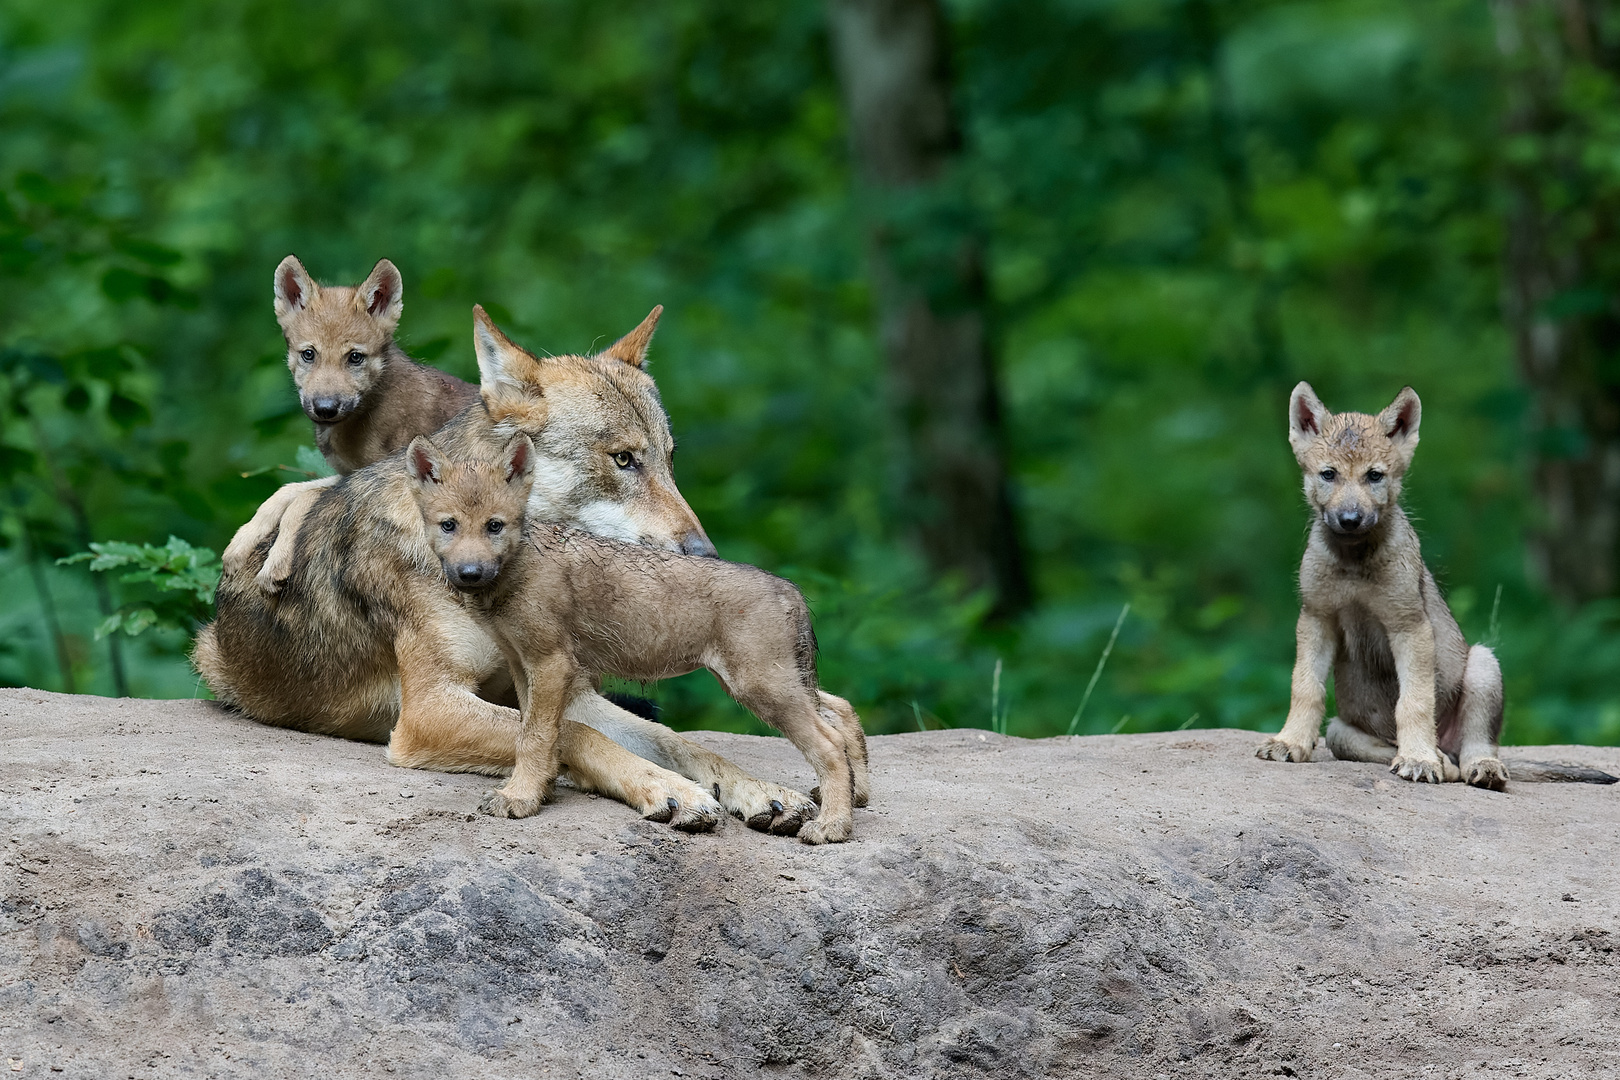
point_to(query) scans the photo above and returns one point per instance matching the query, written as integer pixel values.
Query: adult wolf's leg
(1479, 720)
(763, 805)
(266, 521)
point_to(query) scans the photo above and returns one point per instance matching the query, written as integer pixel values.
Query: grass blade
(1074, 721)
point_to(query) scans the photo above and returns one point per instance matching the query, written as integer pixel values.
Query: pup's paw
(502, 805)
(1275, 749)
(765, 807)
(1487, 773)
(1419, 770)
(826, 831)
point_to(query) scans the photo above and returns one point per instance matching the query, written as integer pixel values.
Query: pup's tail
(1556, 772)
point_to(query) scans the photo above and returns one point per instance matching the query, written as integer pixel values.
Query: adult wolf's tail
(1556, 772)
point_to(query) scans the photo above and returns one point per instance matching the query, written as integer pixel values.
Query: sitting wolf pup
(1412, 694)
(567, 607)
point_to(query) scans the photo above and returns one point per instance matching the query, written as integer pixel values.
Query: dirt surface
(190, 894)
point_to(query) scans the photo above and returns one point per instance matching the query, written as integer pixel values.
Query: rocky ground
(190, 894)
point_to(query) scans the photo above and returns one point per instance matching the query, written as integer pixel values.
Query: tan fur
(366, 641)
(567, 608)
(1411, 693)
(365, 397)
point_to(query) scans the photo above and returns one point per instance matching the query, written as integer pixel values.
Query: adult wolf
(366, 640)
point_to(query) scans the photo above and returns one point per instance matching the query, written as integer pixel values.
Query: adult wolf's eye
(308, 356)
(494, 527)
(624, 459)
(448, 525)
(1373, 476)
(357, 357)
(1329, 475)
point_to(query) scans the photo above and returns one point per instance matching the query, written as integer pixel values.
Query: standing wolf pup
(567, 607)
(1412, 694)
(366, 398)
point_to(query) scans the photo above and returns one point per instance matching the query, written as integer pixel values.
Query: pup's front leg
(1417, 744)
(544, 688)
(1313, 659)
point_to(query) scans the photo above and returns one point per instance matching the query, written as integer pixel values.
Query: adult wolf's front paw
(824, 831)
(1419, 770)
(1275, 749)
(499, 804)
(767, 807)
(1487, 773)
(679, 803)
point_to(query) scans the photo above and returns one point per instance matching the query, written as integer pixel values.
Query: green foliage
(176, 567)
(1188, 207)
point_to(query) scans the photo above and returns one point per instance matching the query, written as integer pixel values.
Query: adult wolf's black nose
(695, 543)
(325, 408)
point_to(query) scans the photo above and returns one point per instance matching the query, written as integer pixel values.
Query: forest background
(1140, 222)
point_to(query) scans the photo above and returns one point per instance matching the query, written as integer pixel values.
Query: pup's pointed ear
(382, 294)
(295, 289)
(1306, 415)
(424, 461)
(1400, 421)
(632, 348)
(519, 459)
(500, 363)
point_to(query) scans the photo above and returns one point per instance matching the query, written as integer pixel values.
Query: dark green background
(1190, 207)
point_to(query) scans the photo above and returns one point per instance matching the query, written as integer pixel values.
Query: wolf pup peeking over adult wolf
(1412, 694)
(366, 398)
(567, 607)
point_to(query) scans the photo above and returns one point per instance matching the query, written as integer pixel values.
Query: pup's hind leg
(793, 711)
(1350, 743)
(278, 564)
(762, 805)
(1479, 721)
(842, 714)
(264, 522)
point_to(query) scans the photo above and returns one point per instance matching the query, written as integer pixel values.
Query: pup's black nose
(473, 575)
(325, 408)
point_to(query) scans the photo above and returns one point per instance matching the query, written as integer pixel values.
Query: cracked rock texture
(186, 893)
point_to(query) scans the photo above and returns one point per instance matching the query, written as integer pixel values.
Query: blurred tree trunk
(927, 262)
(1562, 280)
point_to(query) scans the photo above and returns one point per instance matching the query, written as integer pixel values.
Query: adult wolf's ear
(382, 294)
(632, 348)
(295, 289)
(501, 364)
(519, 454)
(1306, 416)
(424, 461)
(1400, 422)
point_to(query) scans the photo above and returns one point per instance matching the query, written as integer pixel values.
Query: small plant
(184, 578)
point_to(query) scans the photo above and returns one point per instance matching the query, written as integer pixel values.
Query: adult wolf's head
(604, 452)
(1353, 462)
(339, 339)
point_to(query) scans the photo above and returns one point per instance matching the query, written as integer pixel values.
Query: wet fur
(568, 607)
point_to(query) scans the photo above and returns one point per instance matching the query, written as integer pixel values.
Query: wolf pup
(567, 607)
(366, 398)
(1412, 694)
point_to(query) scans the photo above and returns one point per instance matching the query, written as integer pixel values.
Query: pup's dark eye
(308, 356)
(624, 459)
(1373, 476)
(494, 527)
(448, 525)
(1329, 475)
(357, 357)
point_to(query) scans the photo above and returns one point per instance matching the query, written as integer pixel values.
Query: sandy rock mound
(190, 894)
